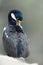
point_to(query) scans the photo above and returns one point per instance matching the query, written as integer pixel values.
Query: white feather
(13, 16)
(4, 28)
(6, 34)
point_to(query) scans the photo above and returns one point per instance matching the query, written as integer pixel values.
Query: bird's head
(15, 17)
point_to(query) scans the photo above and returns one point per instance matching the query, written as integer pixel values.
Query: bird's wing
(9, 42)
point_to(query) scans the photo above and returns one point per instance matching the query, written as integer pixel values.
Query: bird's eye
(13, 16)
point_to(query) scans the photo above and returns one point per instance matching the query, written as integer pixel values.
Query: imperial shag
(15, 40)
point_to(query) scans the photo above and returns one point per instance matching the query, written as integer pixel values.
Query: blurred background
(32, 23)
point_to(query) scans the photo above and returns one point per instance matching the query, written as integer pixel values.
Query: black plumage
(15, 40)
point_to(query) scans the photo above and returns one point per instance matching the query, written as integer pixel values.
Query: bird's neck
(18, 28)
(18, 24)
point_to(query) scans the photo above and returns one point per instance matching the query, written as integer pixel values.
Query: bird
(15, 40)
